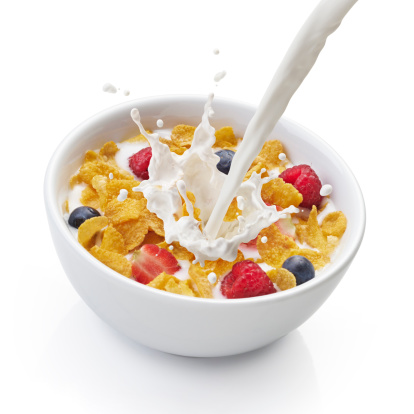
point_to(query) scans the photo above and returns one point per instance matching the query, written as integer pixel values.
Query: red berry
(306, 181)
(251, 243)
(139, 163)
(246, 280)
(150, 261)
(227, 284)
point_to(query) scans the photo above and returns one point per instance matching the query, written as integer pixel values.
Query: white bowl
(179, 324)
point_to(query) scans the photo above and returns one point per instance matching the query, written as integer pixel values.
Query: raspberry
(306, 181)
(246, 280)
(139, 163)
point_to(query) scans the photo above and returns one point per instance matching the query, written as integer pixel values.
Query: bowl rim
(54, 212)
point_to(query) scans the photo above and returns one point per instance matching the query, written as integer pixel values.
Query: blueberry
(81, 214)
(226, 157)
(301, 268)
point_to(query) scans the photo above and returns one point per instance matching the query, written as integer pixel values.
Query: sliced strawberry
(286, 226)
(251, 243)
(150, 261)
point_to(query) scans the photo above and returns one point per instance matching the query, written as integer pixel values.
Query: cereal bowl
(179, 324)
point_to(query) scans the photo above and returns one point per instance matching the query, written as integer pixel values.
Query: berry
(285, 225)
(139, 163)
(306, 181)
(301, 267)
(246, 280)
(251, 243)
(150, 261)
(226, 158)
(81, 214)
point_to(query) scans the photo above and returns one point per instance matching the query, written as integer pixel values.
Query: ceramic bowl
(178, 324)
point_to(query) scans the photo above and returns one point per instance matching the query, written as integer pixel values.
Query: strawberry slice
(251, 243)
(286, 225)
(150, 261)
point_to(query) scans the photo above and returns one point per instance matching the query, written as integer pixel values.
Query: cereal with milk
(185, 197)
(120, 236)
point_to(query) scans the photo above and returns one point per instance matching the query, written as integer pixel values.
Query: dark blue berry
(301, 267)
(226, 157)
(81, 214)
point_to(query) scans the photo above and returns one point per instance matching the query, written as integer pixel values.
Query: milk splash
(172, 175)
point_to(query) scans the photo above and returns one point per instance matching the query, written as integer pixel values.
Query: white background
(356, 353)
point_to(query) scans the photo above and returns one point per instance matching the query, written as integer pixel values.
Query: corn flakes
(113, 241)
(138, 138)
(172, 284)
(127, 225)
(233, 211)
(283, 278)
(257, 168)
(108, 151)
(196, 210)
(121, 211)
(88, 230)
(225, 138)
(173, 146)
(133, 232)
(153, 238)
(279, 193)
(277, 248)
(115, 261)
(90, 197)
(179, 252)
(182, 135)
(179, 287)
(269, 155)
(334, 224)
(201, 281)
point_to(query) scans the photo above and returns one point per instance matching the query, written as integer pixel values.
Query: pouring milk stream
(172, 175)
(297, 63)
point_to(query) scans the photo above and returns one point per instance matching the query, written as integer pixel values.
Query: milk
(172, 175)
(295, 66)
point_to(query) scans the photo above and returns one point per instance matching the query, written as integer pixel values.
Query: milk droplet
(219, 76)
(160, 123)
(216, 51)
(126, 92)
(123, 194)
(212, 278)
(263, 239)
(135, 115)
(111, 176)
(282, 156)
(108, 87)
(326, 190)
